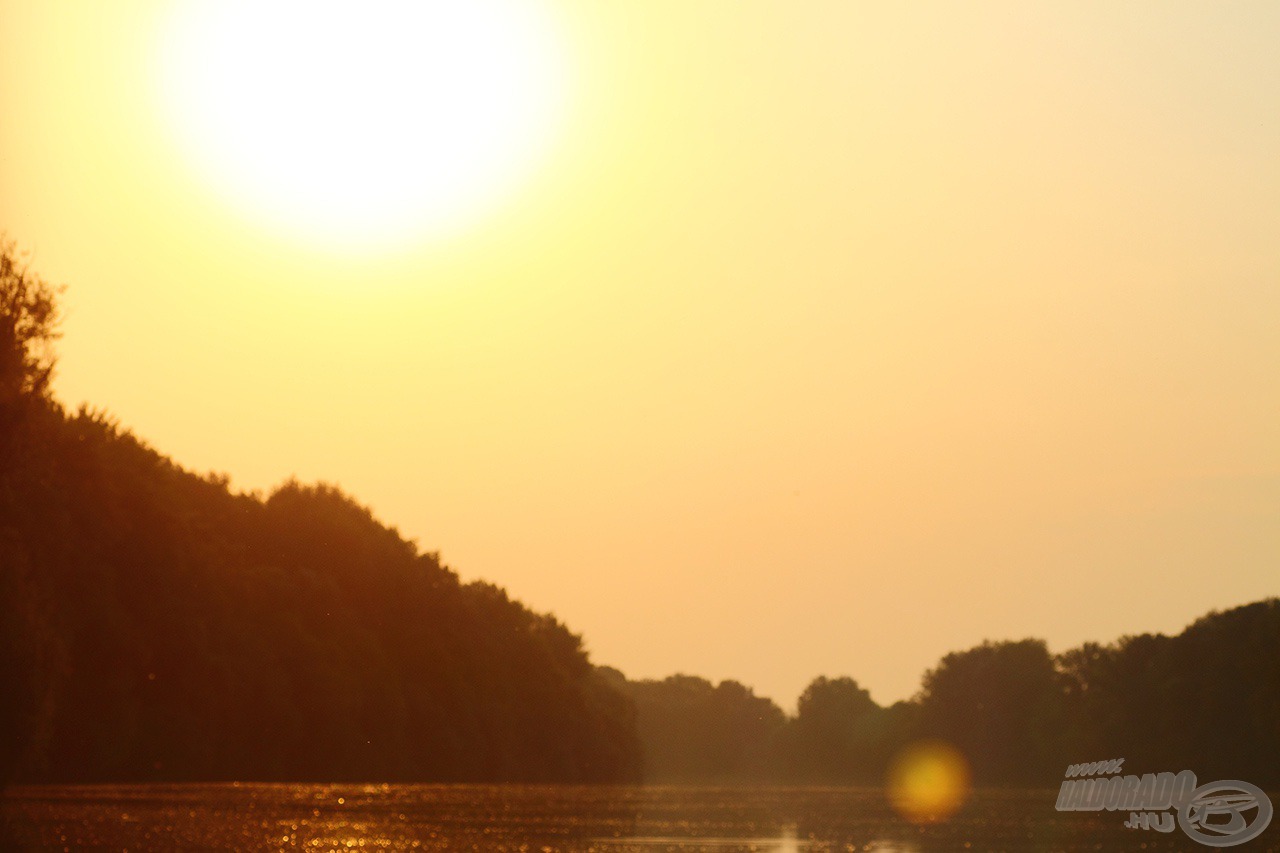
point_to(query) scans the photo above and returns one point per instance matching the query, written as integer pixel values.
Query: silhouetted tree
(1001, 705)
(837, 732)
(156, 625)
(28, 327)
(694, 731)
(28, 647)
(1206, 699)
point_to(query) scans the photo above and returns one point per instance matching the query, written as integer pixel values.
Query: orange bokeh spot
(928, 781)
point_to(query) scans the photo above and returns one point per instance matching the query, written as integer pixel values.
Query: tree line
(1206, 700)
(156, 625)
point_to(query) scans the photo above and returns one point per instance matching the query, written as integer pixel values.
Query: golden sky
(789, 339)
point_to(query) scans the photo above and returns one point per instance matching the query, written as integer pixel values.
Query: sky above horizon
(754, 340)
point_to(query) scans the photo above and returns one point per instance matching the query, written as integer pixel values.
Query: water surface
(538, 819)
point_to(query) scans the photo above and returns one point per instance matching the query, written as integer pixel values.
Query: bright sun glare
(359, 124)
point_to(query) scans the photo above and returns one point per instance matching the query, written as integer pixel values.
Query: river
(539, 819)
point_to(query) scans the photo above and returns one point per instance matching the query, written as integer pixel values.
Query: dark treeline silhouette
(694, 731)
(1206, 700)
(154, 625)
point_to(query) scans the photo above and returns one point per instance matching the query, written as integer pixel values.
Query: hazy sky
(816, 338)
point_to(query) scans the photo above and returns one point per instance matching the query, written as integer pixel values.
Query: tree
(837, 731)
(696, 731)
(29, 319)
(1206, 699)
(155, 625)
(1001, 705)
(28, 327)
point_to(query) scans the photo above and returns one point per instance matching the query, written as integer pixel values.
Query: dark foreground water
(535, 819)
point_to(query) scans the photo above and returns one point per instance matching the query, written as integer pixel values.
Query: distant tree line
(156, 625)
(1207, 700)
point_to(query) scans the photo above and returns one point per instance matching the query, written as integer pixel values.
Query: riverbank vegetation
(157, 625)
(1206, 700)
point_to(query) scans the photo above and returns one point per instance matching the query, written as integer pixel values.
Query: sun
(363, 124)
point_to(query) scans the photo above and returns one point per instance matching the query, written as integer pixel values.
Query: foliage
(999, 704)
(695, 731)
(157, 625)
(838, 732)
(1205, 700)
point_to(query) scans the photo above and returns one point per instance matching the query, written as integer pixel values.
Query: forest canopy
(1206, 699)
(157, 625)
